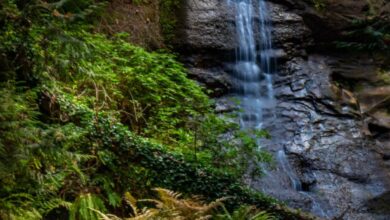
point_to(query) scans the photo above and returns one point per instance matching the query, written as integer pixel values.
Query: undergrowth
(371, 34)
(86, 117)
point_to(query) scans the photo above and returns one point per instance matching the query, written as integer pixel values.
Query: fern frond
(158, 204)
(22, 214)
(106, 216)
(51, 204)
(263, 215)
(170, 206)
(146, 215)
(82, 208)
(245, 213)
(165, 194)
(132, 202)
(186, 208)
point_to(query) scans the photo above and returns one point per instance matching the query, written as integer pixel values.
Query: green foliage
(171, 205)
(17, 137)
(17, 131)
(148, 91)
(34, 160)
(18, 207)
(367, 35)
(246, 213)
(168, 18)
(84, 206)
(160, 168)
(112, 75)
(85, 118)
(221, 142)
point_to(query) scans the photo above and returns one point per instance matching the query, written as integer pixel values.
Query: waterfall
(282, 159)
(253, 72)
(253, 68)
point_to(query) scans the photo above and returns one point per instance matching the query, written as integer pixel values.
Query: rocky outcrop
(206, 25)
(207, 40)
(336, 136)
(334, 160)
(327, 19)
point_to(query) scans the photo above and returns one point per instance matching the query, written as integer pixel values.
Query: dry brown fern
(169, 205)
(186, 208)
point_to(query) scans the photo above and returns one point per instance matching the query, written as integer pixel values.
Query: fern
(17, 207)
(188, 208)
(169, 205)
(50, 204)
(84, 206)
(246, 213)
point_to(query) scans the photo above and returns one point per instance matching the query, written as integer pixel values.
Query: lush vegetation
(86, 118)
(170, 205)
(371, 34)
(168, 18)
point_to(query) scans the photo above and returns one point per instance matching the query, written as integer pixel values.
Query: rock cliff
(332, 109)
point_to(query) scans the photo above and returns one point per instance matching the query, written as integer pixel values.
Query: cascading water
(253, 72)
(282, 158)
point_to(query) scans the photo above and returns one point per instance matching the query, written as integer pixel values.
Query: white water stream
(253, 73)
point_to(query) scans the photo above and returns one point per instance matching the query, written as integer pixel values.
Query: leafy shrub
(35, 159)
(158, 168)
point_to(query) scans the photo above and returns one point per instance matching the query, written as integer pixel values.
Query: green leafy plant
(221, 142)
(246, 213)
(84, 206)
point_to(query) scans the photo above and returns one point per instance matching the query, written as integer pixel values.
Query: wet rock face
(207, 24)
(215, 79)
(337, 144)
(335, 16)
(332, 157)
(289, 31)
(208, 40)
(210, 24)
